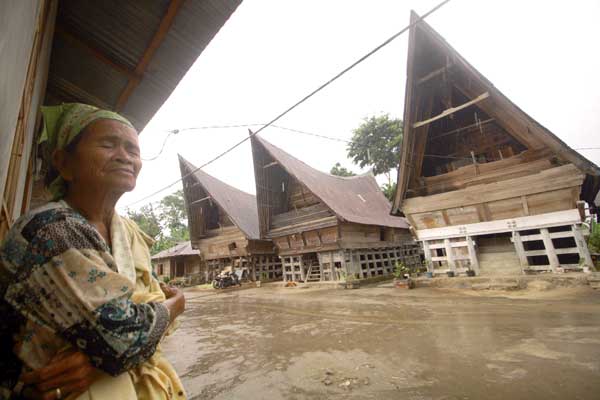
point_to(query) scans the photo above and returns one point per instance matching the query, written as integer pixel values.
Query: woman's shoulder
(47, 214)
(56, 226)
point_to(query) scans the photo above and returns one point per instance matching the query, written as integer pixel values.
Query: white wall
(17, 27)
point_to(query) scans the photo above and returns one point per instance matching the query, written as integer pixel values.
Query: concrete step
(499, 263)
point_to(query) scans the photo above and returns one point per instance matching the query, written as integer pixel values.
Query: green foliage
(146, 219)
(338, 170)
(376, 143)
(594, 239)
(167, 224)
(389, 190)
(400, 269)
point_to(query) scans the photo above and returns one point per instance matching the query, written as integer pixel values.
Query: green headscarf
(64, 123)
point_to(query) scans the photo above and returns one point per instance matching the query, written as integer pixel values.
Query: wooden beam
(157, 39)
(270, 164)
(558, 218)
(98, 54)
(434, 73)
(200, 200)
(452, 110)
(525, 205)
(584, 252)
(550, 251)
(449, 255)
(473, 255)
(464, 128)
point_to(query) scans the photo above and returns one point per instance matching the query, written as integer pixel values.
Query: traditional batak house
(178, 261)
(326, 227)
(223, 224)
(484, 185)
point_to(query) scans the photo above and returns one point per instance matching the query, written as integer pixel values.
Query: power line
(162, 147)
(305, 98)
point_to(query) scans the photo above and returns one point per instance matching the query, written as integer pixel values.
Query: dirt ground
(378, 342)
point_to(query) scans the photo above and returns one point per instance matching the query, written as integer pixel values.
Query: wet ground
(385, 343)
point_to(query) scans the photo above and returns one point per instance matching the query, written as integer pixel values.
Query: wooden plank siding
(550, 190)
(219, 242)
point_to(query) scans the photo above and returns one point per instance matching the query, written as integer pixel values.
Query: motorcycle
(225, 280)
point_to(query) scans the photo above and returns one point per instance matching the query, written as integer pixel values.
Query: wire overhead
(298, 103)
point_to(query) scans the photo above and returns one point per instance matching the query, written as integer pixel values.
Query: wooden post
(473, 254)
(302, 275)
(584, 252)
(427, 252)
(520, 249)
(449, 257)
(552, 257)
(253, 267)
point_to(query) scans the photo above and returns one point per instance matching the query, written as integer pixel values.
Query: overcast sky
(542, 54)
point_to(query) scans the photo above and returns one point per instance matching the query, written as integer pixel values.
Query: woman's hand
(175, 301)
(71, 372)
(169, 291)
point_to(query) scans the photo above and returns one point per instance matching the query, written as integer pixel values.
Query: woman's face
(107, 157)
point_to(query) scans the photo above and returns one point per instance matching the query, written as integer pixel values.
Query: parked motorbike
(225, 280)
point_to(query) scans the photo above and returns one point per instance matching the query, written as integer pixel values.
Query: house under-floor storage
(484, 185)
(326, 227)
(223, 225)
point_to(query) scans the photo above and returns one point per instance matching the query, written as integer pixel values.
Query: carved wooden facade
(326, 227)
(479, 175)
(223, 226)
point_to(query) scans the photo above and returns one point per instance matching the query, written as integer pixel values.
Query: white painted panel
(559, 218)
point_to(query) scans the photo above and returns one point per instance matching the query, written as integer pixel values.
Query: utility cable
(305, 98)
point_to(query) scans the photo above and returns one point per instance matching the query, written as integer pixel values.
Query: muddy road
(384, 343)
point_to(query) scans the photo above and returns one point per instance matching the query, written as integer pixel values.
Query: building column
(584, 252)
(550, 252)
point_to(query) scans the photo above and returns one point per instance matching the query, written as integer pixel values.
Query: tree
(389, 190)
(338, 170)
(376, 143)
(173, 215)
(146, 219)
(167, 224)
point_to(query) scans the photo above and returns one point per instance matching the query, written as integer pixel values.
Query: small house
(178, 261)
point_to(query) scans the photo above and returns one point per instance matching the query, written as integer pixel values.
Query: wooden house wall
(358, 235)
(549, 190)
(218, 243)
(314, 240)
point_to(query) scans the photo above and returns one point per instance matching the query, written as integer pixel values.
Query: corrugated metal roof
(239, 206)
(355, 199)
(180, 249)
(120, 31)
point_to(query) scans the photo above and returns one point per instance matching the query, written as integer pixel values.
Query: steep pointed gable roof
(355, 199)
(531, 133)
(238, 205)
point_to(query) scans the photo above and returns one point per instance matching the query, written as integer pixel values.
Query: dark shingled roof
(355, 199)
(240, 206)
(180, 249)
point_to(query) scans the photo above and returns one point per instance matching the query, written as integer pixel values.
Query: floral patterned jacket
(60, 287)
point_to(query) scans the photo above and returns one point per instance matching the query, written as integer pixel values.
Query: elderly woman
(82, 315)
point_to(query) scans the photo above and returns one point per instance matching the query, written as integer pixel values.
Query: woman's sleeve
(67, 281)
